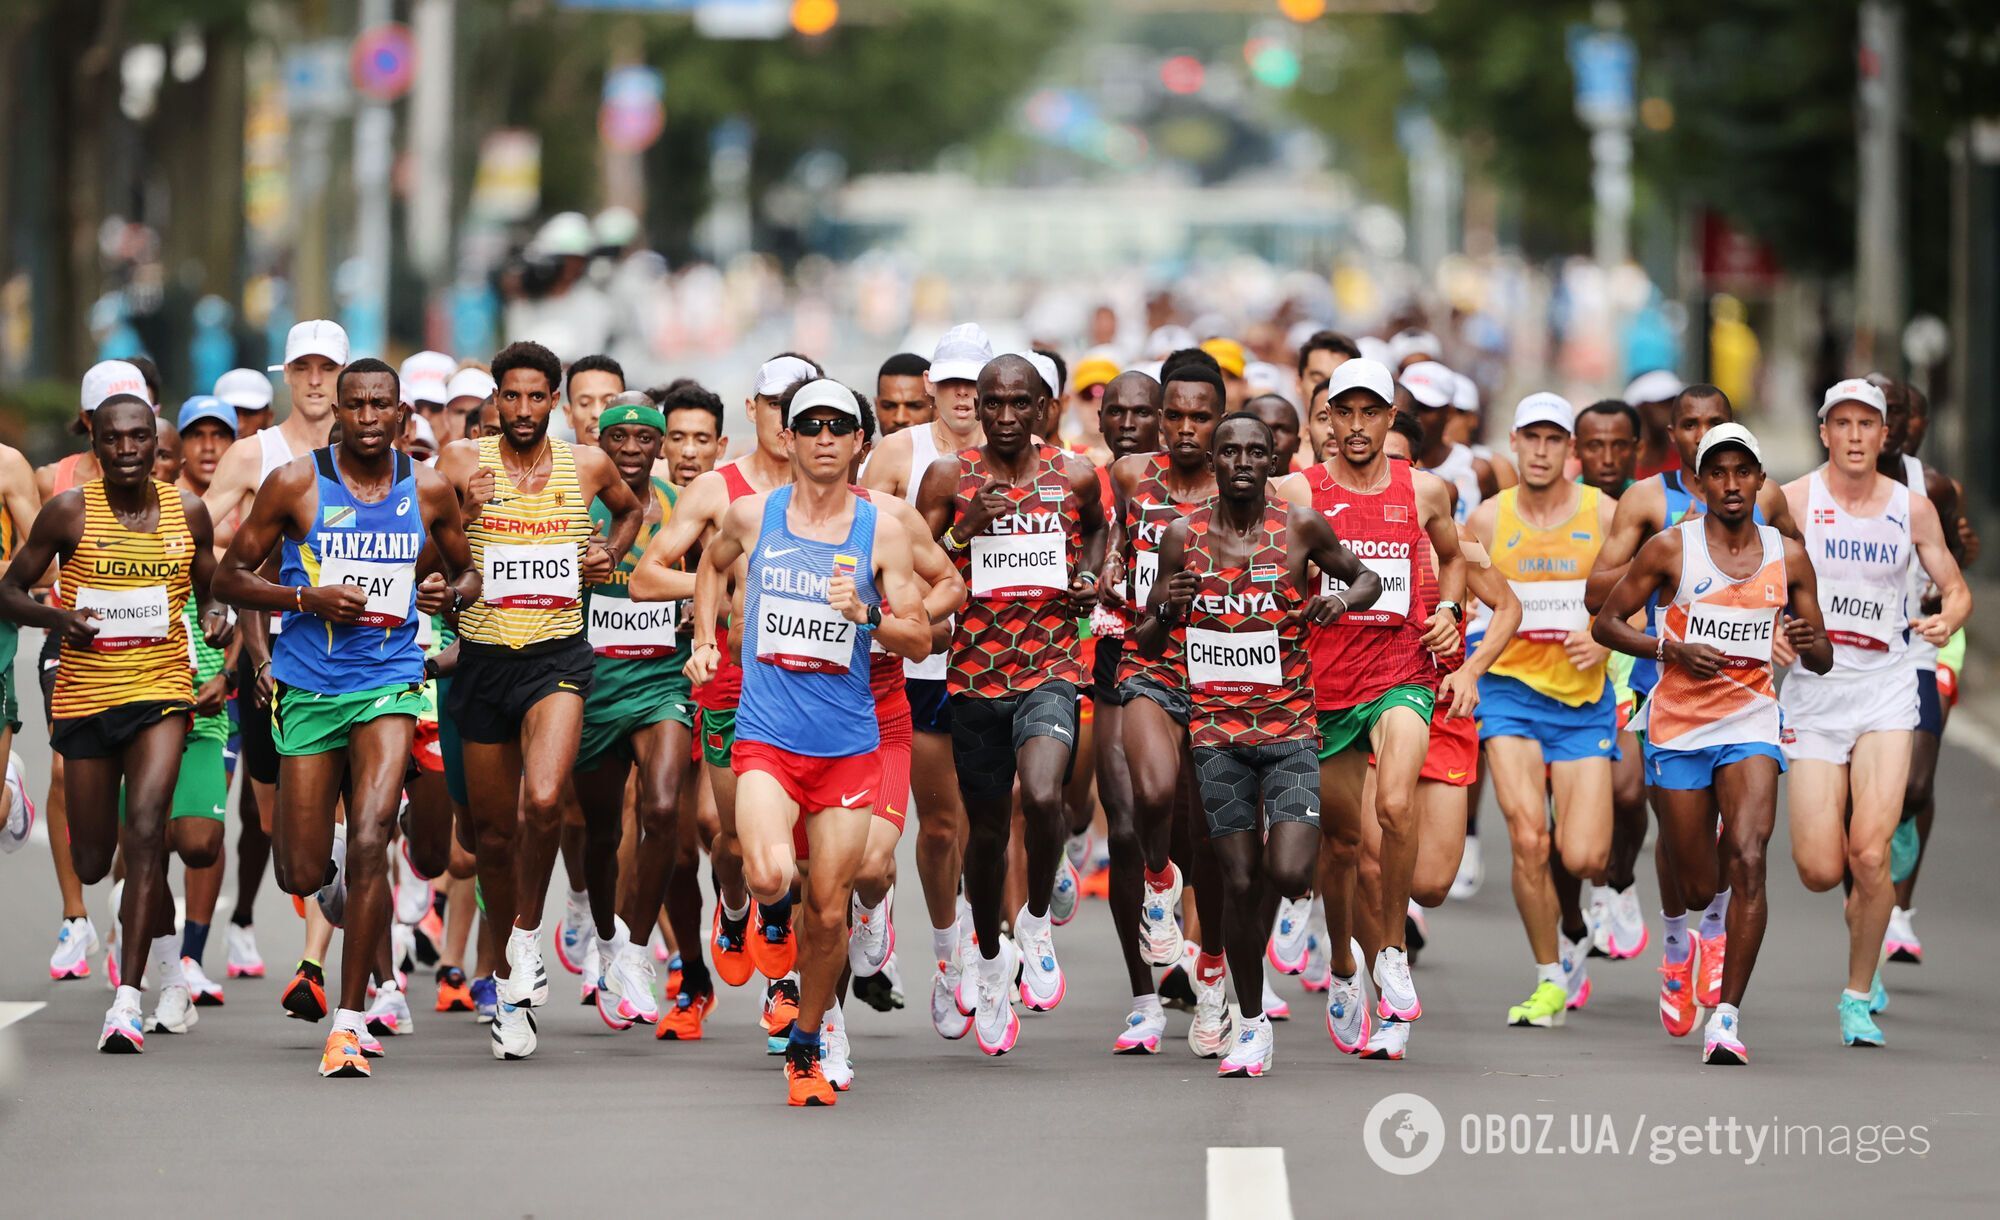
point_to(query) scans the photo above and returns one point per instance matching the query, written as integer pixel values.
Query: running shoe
(672, 987)
(1097, 880)
(244, 960)
(1901, 944)
(413, 892)
(1391, 1040)
(1722, 1041)
(1347, 1011)
(342, 1056)
(76, 940)
(402, 950)
(1395, 992)
(1597, 917)
(1042, 982)
(124, 1032)
(207, 993)
(513, 1031)
(1544, 1008)
(20, 808)
(836, 1059)
(805, 1078)
(1176, 988)
(1625, 933)
(1416, 930)
(1250, 1054)
(1209, 1035)
(895, 977)
(883, 990)
(485, 999)
(781, 1011)
(658, 944)
(629, 984)
(371, 1046)
(1677, 1005)
(729, 949)
(1878, 995)
(332, 897)
(1142, 1033)
(683, 1021)
(1708, 976)
(593, 966)
(1275, 1006)
(305, 995)
(871, 936)
(454, 994)
(996, 1026)
(113, 967)
(527, 981)
(947, 1017)
(1576, 970)
(175, 1013)
(1068, 890)
(1471, 871)
(389, 1015)
(1159, 929)
(1857, 1027)
(1318, 973)
(1291, 936)
(774, 947)
(575, 935)
(428, 937)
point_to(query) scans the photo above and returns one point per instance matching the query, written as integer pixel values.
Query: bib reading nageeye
(542, 576)
(620, 627)
(1011, 567)
(126, 618)
(809, 637)
(1742, 634)
(1390, 608)
(389, 586)
(1233, 662)
(1857, 613)
(1550, 609)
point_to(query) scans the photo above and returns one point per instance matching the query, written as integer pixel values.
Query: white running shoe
(244, 960)
(946, 1016)
(332, 897)
(76, 940)
(390, 1013)
(1471, 871)
(413, 893)
(895, 978)
(1144, 1028)
(1250, 1054)
(1596, 900)
(1347, 1010)
(836, 1058)
(124, 1033)
(1395, 992)
(629, 978)
(1275, 1006)
(1624, 924)
(1068, 889)
(20, 821)
(1209, 1036)
(1901, 943)
(1159, 929)
(527, 981)
(1042, 982)
(1576, 971)
(593, 969)
(1391, 1040)
(871, 936)
(575, 935)
(996, 1026)
(176, 1012)
(402, 948)
(1291, 934)
(206, 992)
(1318, 972)
(513, 1031)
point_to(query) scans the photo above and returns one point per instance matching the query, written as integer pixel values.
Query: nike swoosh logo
(770, 553)
(105, 544)
(1454, 775)
(848, 801)
(565, 686)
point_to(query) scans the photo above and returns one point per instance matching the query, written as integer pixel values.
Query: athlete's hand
(218, 627)
(341, 604)
(1111, 582)
(1782, 651)
(433, 594)
(701, 663)
(1083, 594)
(991, 502)
(1441, 632)
(1318, 610)
(1933, 629)
(479, 490)
(212, 695)
(1583, 651)
(1180, 590)
(1700, 660)
(1799, 634)
(841, 596)
(79, 628)
(1460, 689)
(597, 562)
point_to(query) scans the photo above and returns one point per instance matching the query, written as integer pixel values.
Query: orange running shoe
(343, 1056)
(673, 987)
(1096, 884)
(773, 947)
(454, 990)
(1677, 997)
(684, 1019)
(298, 906)
(1708, 979)
(781, 1008)
(731, 954)
(805, 1079)
(305, 995)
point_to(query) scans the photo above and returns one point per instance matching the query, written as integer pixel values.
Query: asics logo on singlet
(1236, 603)
(403, 506)
(1377, 548)
(1702, 585)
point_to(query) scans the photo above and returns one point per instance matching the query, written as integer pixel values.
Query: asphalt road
(231, 1119)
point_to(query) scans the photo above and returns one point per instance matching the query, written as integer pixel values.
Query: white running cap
(1656, 386)
(470, 383)
(244, 389)
(1464, 395)
(1727, 434)
(1362, 374)
(960, 354)
(1854, 389)
(1545, 408)
(108, 378)
(781, 373)
(315, 337)
(1168, 339)
(1045, 366)
(825, 392)
(420, 429)
(1415, 342)
(1430, 383)
(426, 377)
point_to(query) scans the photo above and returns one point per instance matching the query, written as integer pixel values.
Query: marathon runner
(1656, 397)
(806, 749)
(1321, 353)
(1847, 732)
(248, 391)
(1712, 727)
(694, 431)
(588, 387)
(1282, 418)
(902, 394)
(524, 665)
(18, 507)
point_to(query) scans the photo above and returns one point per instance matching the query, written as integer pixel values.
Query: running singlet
(1247, 674)
(1921, 651)
(1547, 569)
(10, 634)
(1863, 567)
(273, 451)
(923, 451)
(725, 687)
(1677, 505)
(529, 550)
(374, 547)
(1016, 631)
(1103, 620)
(805, 666)
(138, 586)
(1738, 618)
(621, 629)
(1457, 470)
(1363, 653)
(1149, 510)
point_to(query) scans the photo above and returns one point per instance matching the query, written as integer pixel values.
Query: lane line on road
(1248, 1184)
(14, 1010)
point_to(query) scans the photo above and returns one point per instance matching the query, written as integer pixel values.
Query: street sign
(632, 115)
(1604, 64)
(315, 80)
(384, 62)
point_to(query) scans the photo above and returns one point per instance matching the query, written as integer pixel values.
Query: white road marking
(1248, 1184)
(14, 1010)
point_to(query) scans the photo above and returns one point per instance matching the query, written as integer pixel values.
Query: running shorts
(105, 734)
(308, 722)
(492, 691)
(892, 798)
(988, 734)
(45, 672)
(1824, 717)
(1281, 777)
(257, 749)
(427, 748)
(202, 789)
(846, 782)
(1350, 728)
(1509, 707)
(1104, 670)
(1687, 770)
(718, 735)
(611, 717)
(10, 706)
(1930, 707)
(1174, 701)
(1454, 754)
(450, 747)
(930, 705)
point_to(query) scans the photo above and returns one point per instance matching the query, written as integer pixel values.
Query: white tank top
(1457, 470)
(1738, 618)
(1921, 651)
(273, 451)
(923, 451)
(1863, 567)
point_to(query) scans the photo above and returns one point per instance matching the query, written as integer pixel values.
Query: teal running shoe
(1878, 995)
(1857, 1028)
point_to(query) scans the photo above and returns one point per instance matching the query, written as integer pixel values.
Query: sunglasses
(839, 425)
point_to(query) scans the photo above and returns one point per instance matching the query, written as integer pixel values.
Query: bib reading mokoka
(621, 627)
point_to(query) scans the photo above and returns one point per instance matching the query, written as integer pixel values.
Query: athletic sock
(1712, 920)
(777, 913)
(1148, 1004)
(944, 942)
(349, 1020)
(1027, 924)
(1677, 947)
(834, 1018)
(694, 976)
(734, 915)
(1162, 879)
(241, 917)
(126, 997)
(194, 939)
(1729, 1010)
(1549, 972)
(1852, 994)
(1209, 969)
(805, 1039)
(579, 900)
(166, 960)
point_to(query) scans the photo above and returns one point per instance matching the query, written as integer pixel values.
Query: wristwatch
(874, 617)
(1457, 611)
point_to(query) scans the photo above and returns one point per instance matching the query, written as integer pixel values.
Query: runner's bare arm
(1927, 533)
(1504, 474)
(1778, 512)
(210, 613)
(1635, 518)
(1657, 566)
(943, 588)
(733, 540)
(1173, 591)
(1090, 517)
(1805, 629)
(888, 468)
(1485, 583)
(1294, 489)
(230, 489)
(448, 547)
(58, 528)
(601, 481)
(906, 629)
(287, 500)
(1942, 492)
(1487, 478)
(936, 497)
(1111, 582)
(17, 495)
(658, 576)
(1433, 502)
(1313, 540)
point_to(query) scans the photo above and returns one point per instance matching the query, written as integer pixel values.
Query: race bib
(1389, 609)
(543, 576)
(809, 637)
(1742, 634)
(1857, 614)
(1233, 662)
(1012, 567)
(126, 618)
(391, 587)
(1550, 609)
(621, 627)
(1145, 571)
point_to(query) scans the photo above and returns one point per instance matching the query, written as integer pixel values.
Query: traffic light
(1182, 74)
(1303, 11)
(814, 17)
(1272, 62)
